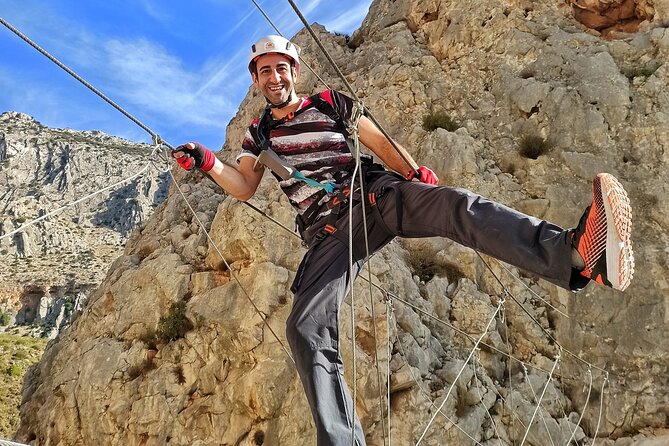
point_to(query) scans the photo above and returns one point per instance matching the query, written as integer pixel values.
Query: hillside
(50, 268)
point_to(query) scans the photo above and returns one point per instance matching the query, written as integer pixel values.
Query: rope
(158, 141)
(534, 395)
(232, 273)
(420, 388)
(350, 285)
(462, 369)
(356, 114)
(60, 209)
(536, 409)
(77, 77)
(348, 85)
(10, 443)
(279, 33)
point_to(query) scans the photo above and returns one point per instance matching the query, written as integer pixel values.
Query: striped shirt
(312, 143)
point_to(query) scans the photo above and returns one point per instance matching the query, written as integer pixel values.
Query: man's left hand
(424, 175)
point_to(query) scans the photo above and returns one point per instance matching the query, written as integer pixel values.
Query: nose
(274, 76)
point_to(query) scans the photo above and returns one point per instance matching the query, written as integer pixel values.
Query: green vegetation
(533, 146)
(175, 325)
(5, 318)
(632, 72)
(142, 369)
(17, 354)
(439, 119)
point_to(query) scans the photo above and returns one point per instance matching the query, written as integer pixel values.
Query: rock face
(51, 266)
(169, 350)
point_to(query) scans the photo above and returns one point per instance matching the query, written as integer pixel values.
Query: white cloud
(227, 72)
(155, 12)
(148, 76)
(350, 20)
(311, 6)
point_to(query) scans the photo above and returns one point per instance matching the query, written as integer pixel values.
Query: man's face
(274, 77)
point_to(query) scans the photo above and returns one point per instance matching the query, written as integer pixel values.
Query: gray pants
(408, 209)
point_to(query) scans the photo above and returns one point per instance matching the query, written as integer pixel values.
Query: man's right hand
(194, 154)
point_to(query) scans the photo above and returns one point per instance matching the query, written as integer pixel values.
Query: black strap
(261, 132)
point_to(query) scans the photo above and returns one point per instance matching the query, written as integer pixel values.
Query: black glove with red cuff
(194, 154)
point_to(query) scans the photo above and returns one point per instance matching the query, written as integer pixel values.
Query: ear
(294, 73)
(254, 78)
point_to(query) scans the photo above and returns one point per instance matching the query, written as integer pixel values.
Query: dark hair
(253, 66)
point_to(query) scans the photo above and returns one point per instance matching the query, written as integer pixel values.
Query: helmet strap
(284, 103)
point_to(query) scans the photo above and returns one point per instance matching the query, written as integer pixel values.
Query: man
(317, 167)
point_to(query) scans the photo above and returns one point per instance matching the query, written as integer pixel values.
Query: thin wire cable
(585, 407)
(412, 165)
(534, 395)
(232, 273)
(416, 380)
(601, 408)
(77, 77)
(10, 443)
(526, 311)
(272, 219)
(389, 353)
(529, 425)
(501, 303)
(508, 369)
(74, 203)
(531, 290)
(476, 360)
(351, 279)
(353, 129)
(281, 34)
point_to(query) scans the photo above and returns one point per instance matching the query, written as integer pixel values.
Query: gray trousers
(408, 209)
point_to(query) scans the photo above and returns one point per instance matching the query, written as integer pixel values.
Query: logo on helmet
(269, 45)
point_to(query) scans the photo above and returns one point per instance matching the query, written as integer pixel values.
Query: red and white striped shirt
(312, 143)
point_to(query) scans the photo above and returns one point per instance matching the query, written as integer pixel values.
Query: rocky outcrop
(169, 350)
(43, 169)
(608, 16)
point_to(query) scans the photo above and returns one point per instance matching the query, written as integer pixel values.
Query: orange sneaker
(603, 236)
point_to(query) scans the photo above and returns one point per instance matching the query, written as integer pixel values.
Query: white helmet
(274, 44)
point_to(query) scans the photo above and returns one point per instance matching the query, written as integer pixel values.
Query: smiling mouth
(276, 88)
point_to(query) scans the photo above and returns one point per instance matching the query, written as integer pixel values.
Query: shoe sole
(619, 254)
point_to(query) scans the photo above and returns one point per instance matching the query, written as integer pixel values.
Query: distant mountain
(48, 268)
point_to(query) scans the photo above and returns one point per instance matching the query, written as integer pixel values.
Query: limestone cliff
(49, 268)
(169, 350)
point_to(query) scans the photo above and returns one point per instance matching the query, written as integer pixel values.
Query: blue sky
(177, 66)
